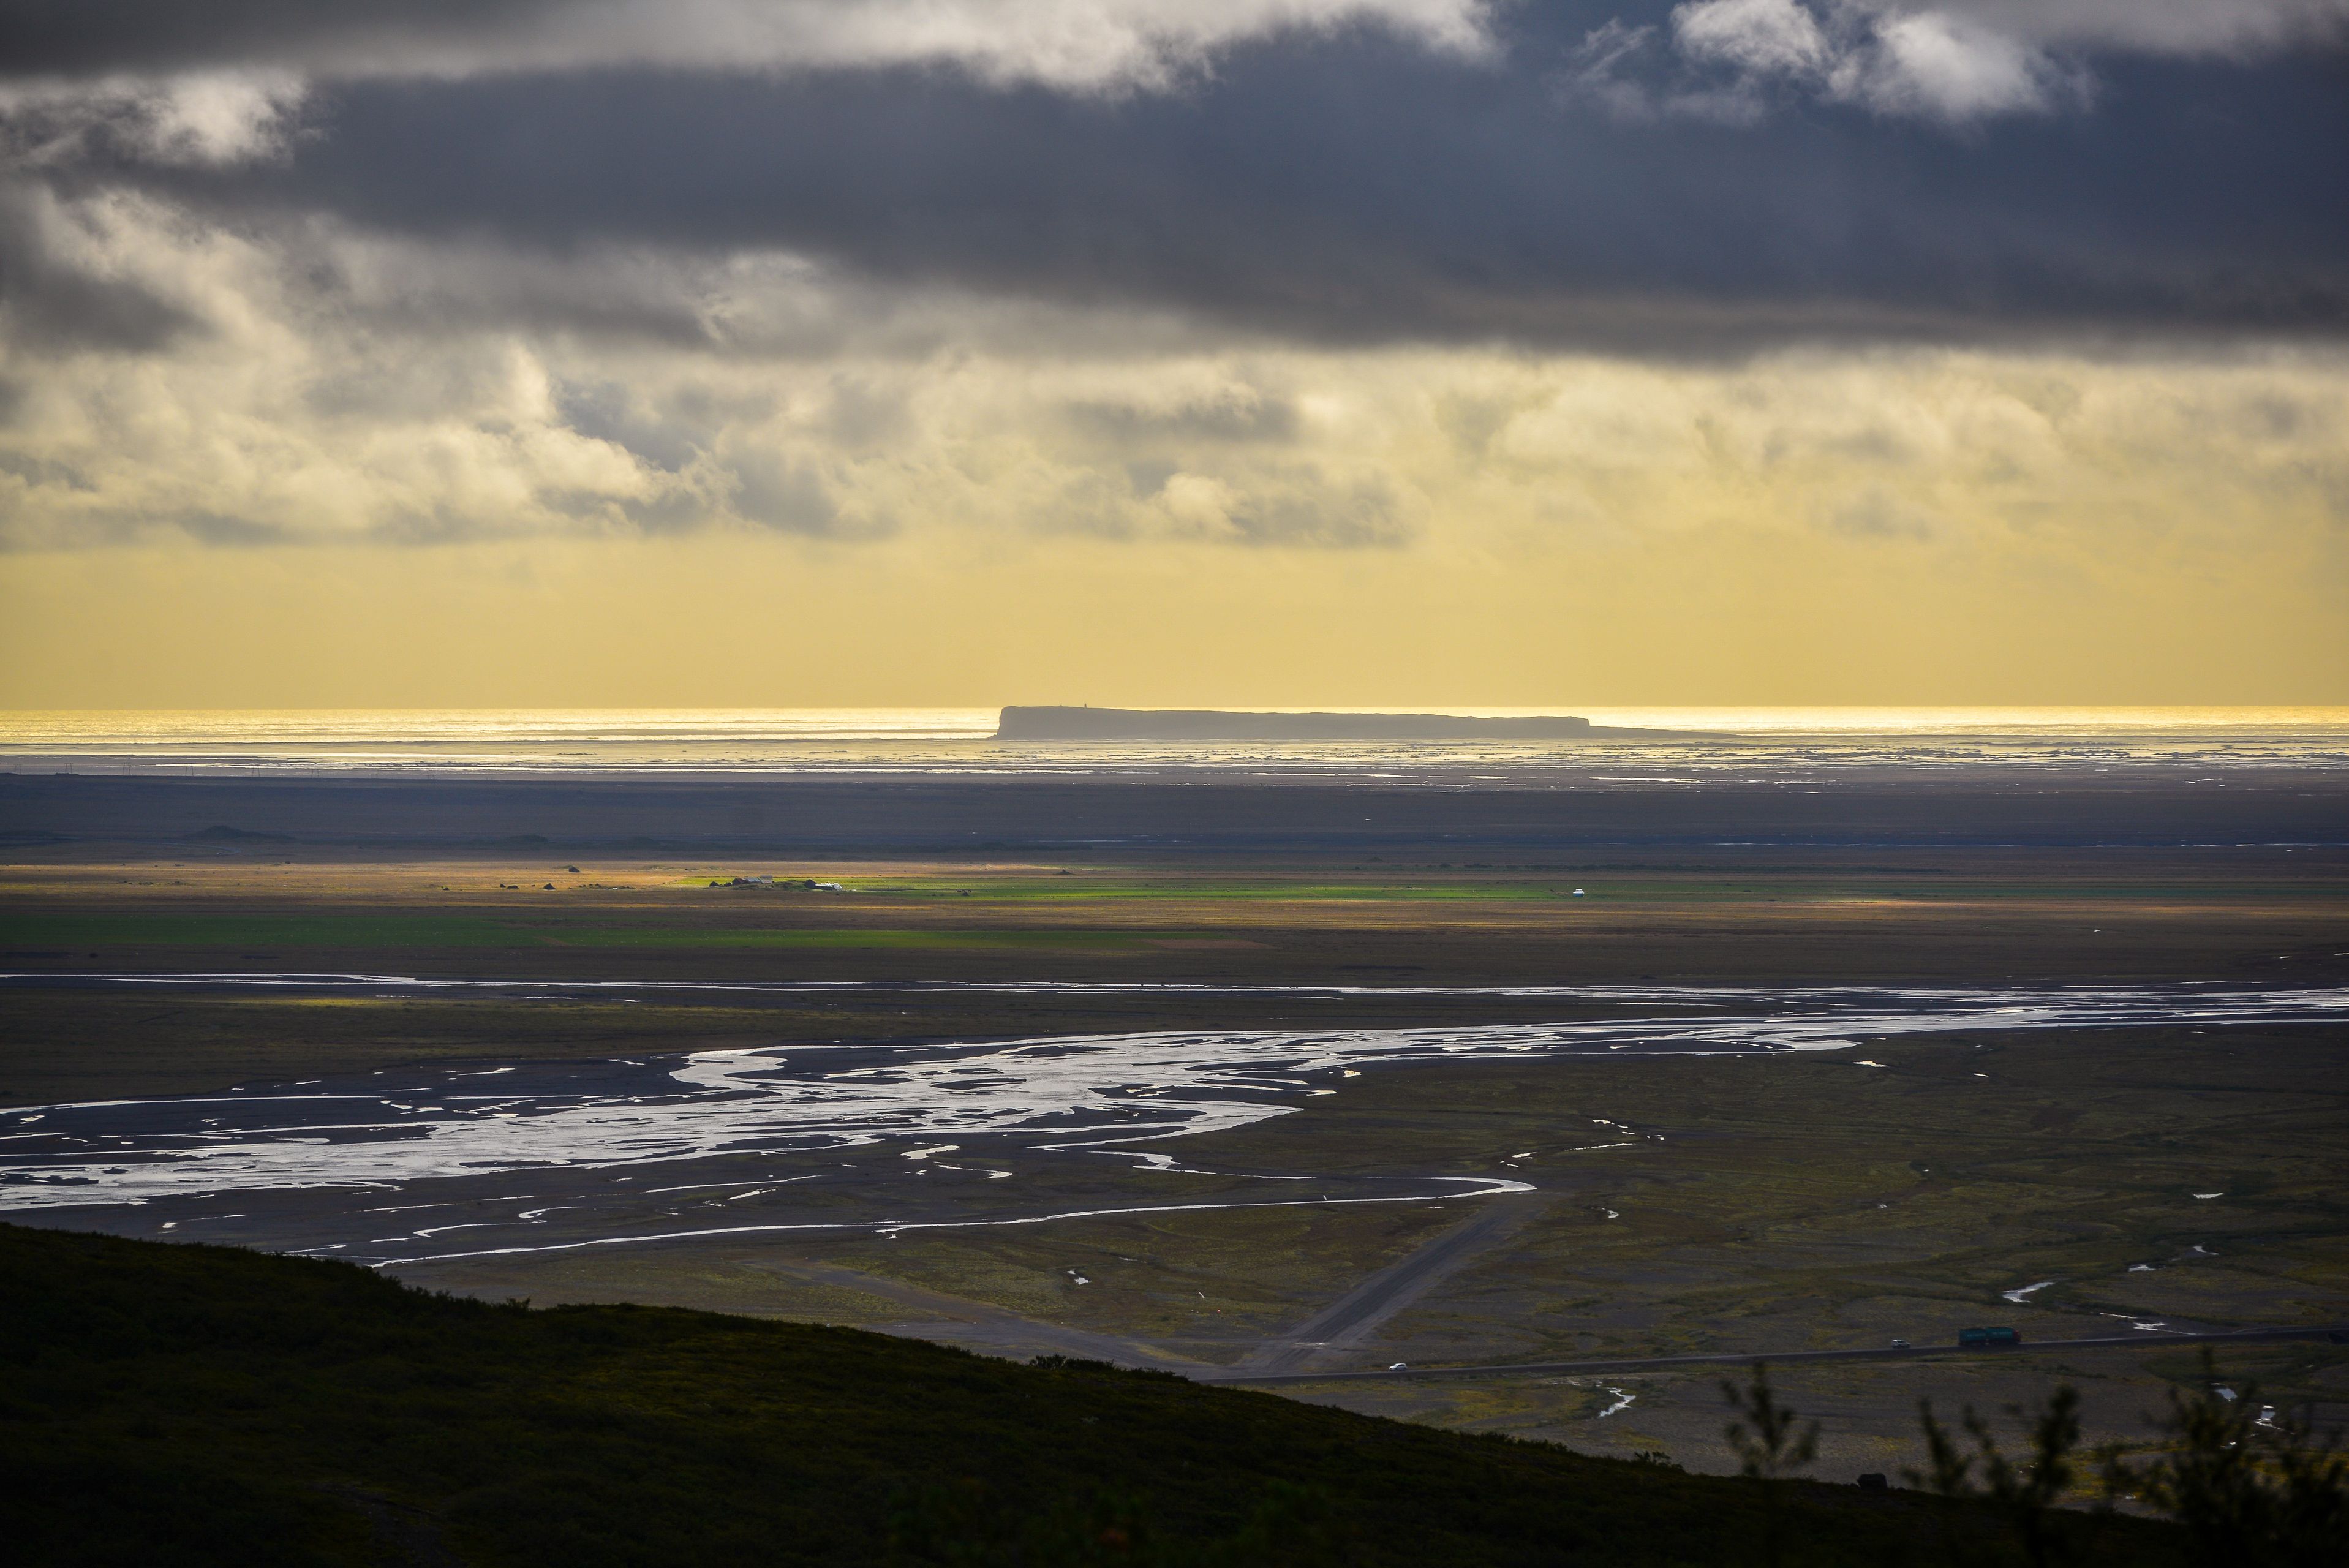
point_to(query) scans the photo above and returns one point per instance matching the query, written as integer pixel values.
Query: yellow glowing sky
(1224, 352)
(1283, 527)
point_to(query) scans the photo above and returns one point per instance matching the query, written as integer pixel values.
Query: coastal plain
(1760, 1205)
(1715, 916)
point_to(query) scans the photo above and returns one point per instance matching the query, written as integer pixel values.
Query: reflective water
(1771, 741)
(1057, 1094)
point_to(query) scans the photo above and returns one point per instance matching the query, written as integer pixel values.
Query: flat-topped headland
(1214, 724)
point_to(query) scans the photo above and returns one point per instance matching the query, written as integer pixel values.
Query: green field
(1437, 883)
(1817, 916)
(1094, 889)
(334, 928)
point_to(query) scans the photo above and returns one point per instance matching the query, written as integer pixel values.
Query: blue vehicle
(1987, 1338)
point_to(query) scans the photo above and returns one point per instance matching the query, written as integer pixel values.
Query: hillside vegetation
(194, 1405)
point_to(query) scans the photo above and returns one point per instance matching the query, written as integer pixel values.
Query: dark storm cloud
(1356, 187)
(95, 37)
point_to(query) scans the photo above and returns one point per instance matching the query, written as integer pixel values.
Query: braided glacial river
(664, 1125)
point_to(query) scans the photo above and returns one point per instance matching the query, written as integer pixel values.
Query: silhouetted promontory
(1211, 723)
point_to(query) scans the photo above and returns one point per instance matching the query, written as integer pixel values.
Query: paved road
(1776, 1358)
(1351, 1319)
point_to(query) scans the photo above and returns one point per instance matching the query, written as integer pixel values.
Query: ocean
(1782, 743)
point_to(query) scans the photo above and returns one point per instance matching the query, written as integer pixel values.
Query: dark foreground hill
(164, 1405)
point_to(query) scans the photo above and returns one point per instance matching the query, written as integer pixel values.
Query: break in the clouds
(1727, 60)
(1234, 272)
(1732, 60)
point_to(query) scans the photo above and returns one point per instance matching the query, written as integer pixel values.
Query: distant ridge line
(1214, 724)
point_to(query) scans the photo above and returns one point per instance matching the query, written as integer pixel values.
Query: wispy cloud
(1078, 45)
(196, 119)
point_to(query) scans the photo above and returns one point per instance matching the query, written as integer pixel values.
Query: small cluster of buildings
(809, 883)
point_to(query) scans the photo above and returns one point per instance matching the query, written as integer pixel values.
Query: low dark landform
(203, 1405)
(922, 813)
(1205, 723)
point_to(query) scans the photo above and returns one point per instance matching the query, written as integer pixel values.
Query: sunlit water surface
(1770, 741)
(1060, 1093)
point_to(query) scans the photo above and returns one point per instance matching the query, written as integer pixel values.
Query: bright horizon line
(21, 727)
(1567, 706)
